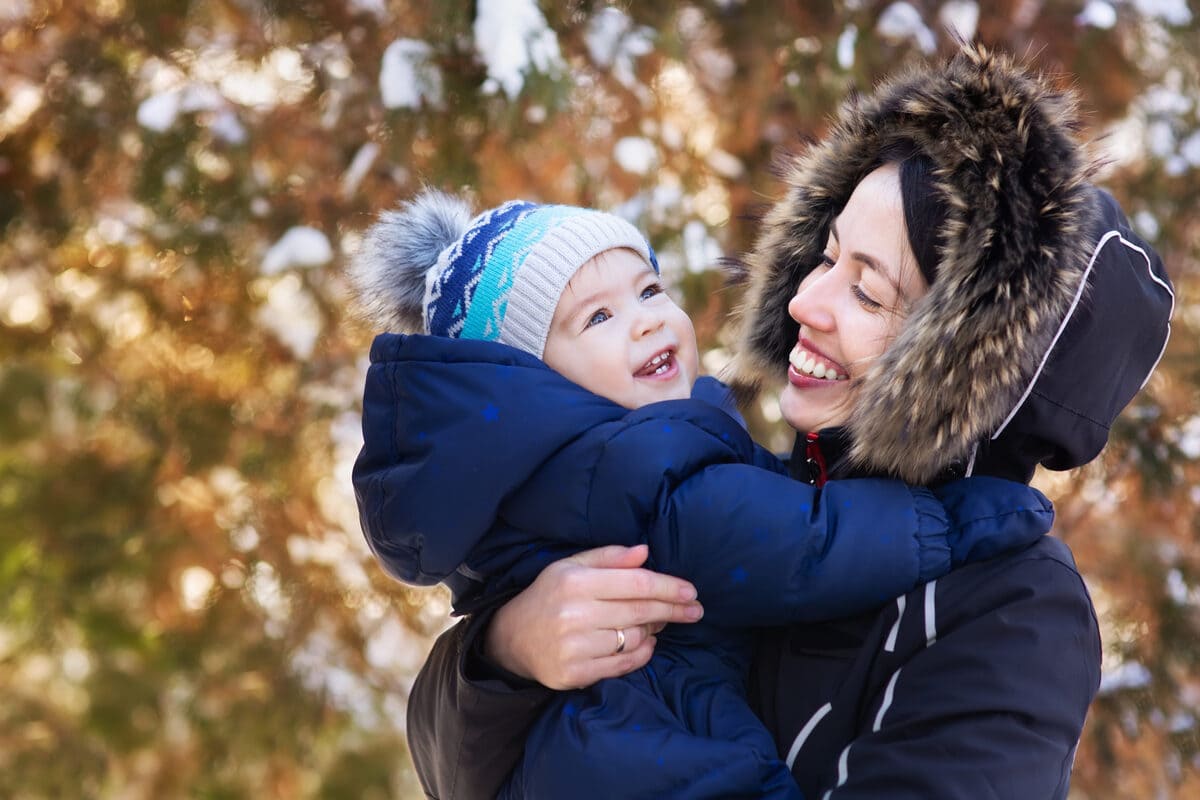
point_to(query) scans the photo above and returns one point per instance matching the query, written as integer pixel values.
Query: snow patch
(292, 315)
(615, 43)
(513, 38)
(635, 154)
(359, 167)
(1188, 438)
(900, 21)
(1127, 675)
(158, 112)
(700, 250)
(1172, 12)
(960, 16)
(408, 75)
(1190, 149)
(301, 246)
(847, 39)
(373, 7)
(1097, 14)
(226, 126)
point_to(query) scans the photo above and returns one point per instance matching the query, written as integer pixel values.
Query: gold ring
(620, 641)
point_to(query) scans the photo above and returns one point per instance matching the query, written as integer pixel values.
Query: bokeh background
(187, 608)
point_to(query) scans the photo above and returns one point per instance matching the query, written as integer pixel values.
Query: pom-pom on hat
(496, 277)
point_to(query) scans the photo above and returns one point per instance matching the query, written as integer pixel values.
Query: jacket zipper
(817, 474)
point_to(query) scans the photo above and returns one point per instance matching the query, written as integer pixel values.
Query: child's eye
(651, 290)
(868, 302)
(826, 260)
(595, 319)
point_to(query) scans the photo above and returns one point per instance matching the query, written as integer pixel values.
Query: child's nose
(647, 322)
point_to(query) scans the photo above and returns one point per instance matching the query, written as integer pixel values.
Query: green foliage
(188, 607)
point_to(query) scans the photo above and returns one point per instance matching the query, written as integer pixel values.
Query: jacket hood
(495, 414)
(1019, 238)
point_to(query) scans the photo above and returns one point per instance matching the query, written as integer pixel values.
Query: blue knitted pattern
(454, 290)
(470, 297)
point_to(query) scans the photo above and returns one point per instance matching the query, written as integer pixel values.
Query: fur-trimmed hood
(1019, 236)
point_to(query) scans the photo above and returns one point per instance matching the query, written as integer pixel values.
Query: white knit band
(550, 265)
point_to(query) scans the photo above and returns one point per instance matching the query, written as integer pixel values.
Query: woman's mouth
(662, 366)
(814, 367)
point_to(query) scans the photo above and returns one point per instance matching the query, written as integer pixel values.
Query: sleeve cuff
(479, 671)
(933, 526)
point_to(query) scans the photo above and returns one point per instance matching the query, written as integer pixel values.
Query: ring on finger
(620, 641)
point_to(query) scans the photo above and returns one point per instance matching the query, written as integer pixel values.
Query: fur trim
(388, 273)
(1014, 178)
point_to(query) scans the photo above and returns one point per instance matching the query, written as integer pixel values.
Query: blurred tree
(189, 608)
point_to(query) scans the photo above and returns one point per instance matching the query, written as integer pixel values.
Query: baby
(554, 406)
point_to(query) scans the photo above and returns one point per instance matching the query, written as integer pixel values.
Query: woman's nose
(811, 305)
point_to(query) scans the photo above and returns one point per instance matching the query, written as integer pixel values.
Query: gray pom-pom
(388, 273)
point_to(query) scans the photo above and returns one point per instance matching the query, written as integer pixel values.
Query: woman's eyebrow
(873, 263)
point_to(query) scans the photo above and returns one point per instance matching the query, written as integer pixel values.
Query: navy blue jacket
(480, 465)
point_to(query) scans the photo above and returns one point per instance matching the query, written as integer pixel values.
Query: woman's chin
(811, 409)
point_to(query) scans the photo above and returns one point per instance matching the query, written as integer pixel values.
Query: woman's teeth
(804, 362)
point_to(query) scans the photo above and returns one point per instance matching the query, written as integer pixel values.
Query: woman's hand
(563, 630)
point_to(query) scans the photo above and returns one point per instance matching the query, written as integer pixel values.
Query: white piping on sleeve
(805, 732)
(1066, 318)
(888, 694)
(930, 613)
(890, 644)
(843, 771)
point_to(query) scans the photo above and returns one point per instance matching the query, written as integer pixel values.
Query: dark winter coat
(480, 465)
(1047, 316)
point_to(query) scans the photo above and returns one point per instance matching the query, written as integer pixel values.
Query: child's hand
(562, 630)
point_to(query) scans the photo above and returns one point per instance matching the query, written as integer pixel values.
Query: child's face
(617, 334)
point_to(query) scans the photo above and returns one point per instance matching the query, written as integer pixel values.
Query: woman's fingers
(585, 673)
(609, 573)
(630, 613)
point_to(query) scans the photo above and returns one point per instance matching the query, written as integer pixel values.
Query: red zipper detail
(815, 459)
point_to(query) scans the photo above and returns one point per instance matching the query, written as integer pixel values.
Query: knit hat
(497, 277)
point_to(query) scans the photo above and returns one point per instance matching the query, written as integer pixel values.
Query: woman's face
(852, 305)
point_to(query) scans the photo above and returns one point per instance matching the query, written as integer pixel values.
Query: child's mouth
(661, 366)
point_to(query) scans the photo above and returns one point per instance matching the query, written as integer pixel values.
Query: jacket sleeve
(763, 549)
(994, 707)
(468, 720)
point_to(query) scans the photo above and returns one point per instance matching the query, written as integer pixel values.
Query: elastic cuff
(478, 670)
(933, 530)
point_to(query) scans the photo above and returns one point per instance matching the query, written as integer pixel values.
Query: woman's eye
(651, 290)
(597, 318)
(862, 297)
(826, 260)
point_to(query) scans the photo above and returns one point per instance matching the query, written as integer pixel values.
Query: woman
(1004, 324)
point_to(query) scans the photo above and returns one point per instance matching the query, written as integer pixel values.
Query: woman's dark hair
(924, 209)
